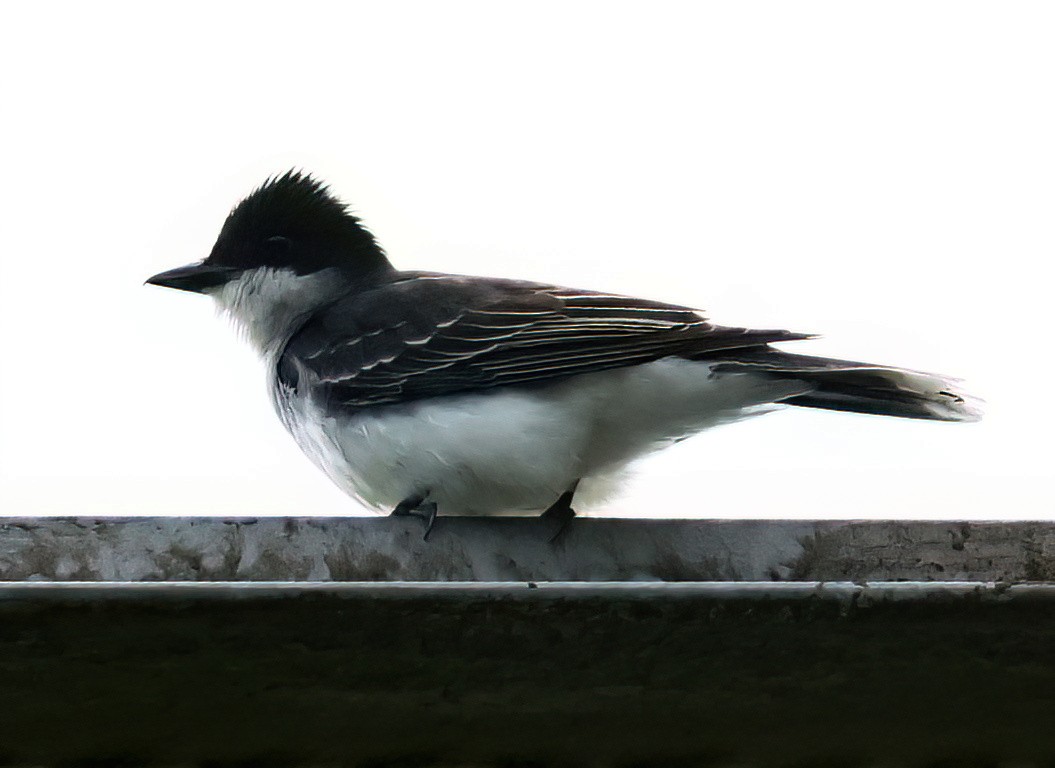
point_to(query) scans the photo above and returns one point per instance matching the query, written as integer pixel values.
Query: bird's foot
(560, 514)
(417, 506)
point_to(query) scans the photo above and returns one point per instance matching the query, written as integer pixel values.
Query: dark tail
(843, 385)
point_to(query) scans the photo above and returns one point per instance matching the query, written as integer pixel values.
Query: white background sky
(882, 173)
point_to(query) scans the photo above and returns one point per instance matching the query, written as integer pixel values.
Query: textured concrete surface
(590, 549)
(628, 675)
(211, 643)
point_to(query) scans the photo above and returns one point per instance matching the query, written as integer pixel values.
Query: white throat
(268, 304)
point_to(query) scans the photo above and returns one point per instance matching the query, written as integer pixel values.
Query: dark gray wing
(432, 335)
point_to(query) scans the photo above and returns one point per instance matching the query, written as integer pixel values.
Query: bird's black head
(290, 222)
(293, 222)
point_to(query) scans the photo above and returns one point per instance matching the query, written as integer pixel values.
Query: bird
(423, 392)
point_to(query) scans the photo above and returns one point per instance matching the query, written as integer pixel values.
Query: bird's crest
(294, 221)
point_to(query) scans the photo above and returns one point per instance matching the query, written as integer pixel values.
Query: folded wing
(434, 335)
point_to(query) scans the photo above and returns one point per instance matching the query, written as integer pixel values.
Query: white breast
(515, 450)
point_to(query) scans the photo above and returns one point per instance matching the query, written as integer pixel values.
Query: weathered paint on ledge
(847, 594)
(473, 549)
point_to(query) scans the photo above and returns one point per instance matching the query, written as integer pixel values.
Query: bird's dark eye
(277, 243)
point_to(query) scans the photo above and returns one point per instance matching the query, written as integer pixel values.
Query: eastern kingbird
(420, 391)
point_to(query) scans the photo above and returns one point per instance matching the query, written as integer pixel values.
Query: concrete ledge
(352, 642)
(472, 549)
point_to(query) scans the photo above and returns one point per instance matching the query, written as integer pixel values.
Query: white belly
(515, 450)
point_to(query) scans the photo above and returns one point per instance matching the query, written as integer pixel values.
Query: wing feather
(442, 335)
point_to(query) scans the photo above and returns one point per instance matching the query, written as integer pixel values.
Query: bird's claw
(561, 513)
(428, 514)
(417, 506)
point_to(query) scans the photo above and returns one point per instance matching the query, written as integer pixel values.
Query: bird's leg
(561, 511)
(417, 506)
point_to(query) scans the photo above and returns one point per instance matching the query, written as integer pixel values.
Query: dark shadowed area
(517, 676)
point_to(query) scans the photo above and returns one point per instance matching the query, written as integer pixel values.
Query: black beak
(194, 277)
